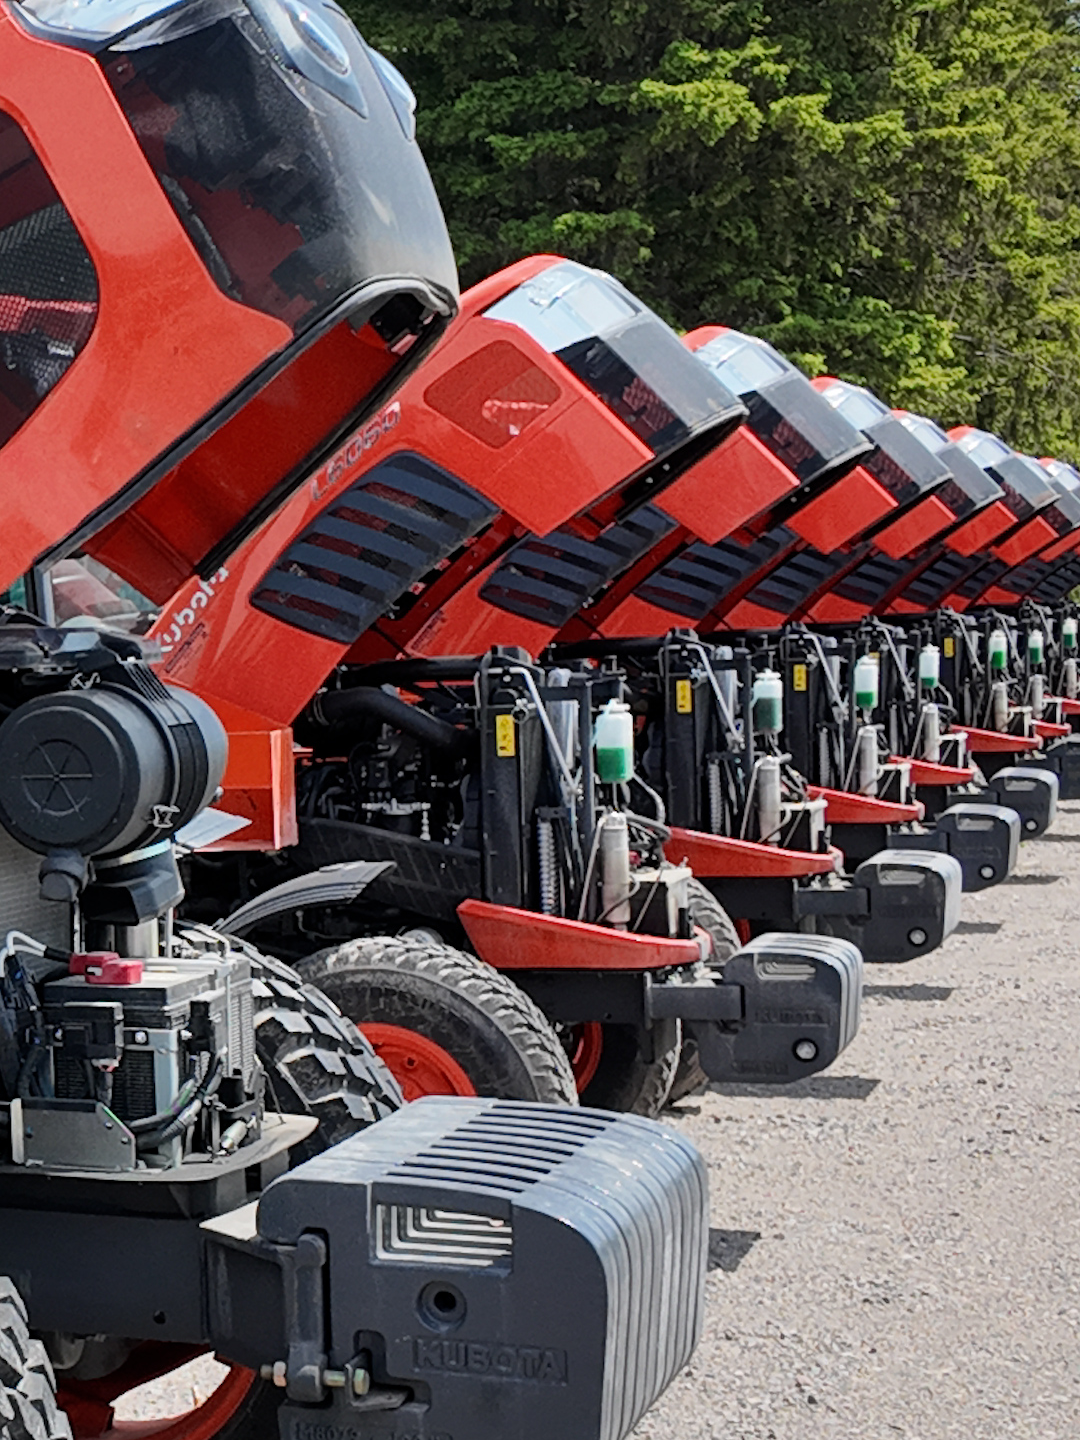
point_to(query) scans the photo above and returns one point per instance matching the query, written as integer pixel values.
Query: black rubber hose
(335, 708)
(185, 1118)
(163, 1117)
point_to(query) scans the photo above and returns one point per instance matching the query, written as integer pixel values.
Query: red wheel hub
(88, 1404)
(586, 1047)
(420, 1066)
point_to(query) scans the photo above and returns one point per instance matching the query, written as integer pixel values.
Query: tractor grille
(372, 545)
(694, 582)
(550, 579)
(793, 580)
(48, 287)
(974, 584)
(133, 1095)
(871, 580)
(1025, 578)
(937, 580)
(20, 899)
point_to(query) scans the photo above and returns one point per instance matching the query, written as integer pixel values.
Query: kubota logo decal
(335, 469)
(508, 1362)
(183, 618)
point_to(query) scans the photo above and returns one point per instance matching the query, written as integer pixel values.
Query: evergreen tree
(889, 191)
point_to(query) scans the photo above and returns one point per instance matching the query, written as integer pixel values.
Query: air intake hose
(333, 710)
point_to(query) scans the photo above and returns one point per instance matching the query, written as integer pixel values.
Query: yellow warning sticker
(798, 677)
(684, 697)
(948, 646)
(505, 741)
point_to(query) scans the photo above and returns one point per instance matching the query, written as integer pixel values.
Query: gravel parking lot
(895, 1249)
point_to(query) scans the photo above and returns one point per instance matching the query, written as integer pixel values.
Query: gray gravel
(896, 1249)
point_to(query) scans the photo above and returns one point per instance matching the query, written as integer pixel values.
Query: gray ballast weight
(470, 1268)
(1032, 793)
(1062, 758)
(913, 904)
(984, 838)
(800, 1007)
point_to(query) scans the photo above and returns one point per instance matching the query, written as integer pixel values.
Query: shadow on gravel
(729, 1248)
(977, 927)
(1032, 880)
(910, 992)
(1061, 839)
(818, 1087)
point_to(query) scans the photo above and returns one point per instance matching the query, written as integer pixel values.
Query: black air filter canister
(108, 769)
(539, 1267)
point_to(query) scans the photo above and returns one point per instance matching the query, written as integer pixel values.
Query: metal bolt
(141, 1037)
(917, 936)
(1031, 824)
(361, 1380)
(805, 1050)
(334, 1379)
(58, 1033)
(986, 872)
(276, 1373)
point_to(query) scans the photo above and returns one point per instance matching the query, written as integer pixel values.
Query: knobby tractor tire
(28, 1405)
(707, 912)
(624, 1079)
(445, 1022)
(316, 1061)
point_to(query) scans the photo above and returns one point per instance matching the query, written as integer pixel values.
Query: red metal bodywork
(989, 742)
(184, 416)
(996, 533)
(830, 517)
(723, 856)
(844, 807)
(497, 411)
(929, 772)
(512, 939)
(166, 340)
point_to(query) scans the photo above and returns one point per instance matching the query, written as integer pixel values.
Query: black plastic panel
(550, 578)
(695, 581)
(368, 548)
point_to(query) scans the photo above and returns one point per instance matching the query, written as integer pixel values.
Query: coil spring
(545, 858)
(716, 801)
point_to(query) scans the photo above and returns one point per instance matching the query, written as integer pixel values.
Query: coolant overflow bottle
(767, 703)
(613, 737)
(997, 650)
(867, 682)
(929, 667)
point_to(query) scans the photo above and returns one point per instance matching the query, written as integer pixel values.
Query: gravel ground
(895, 1249)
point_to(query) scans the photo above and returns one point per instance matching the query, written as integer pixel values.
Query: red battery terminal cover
(105, 967)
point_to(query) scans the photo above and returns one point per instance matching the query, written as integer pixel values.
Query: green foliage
(888, 190)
